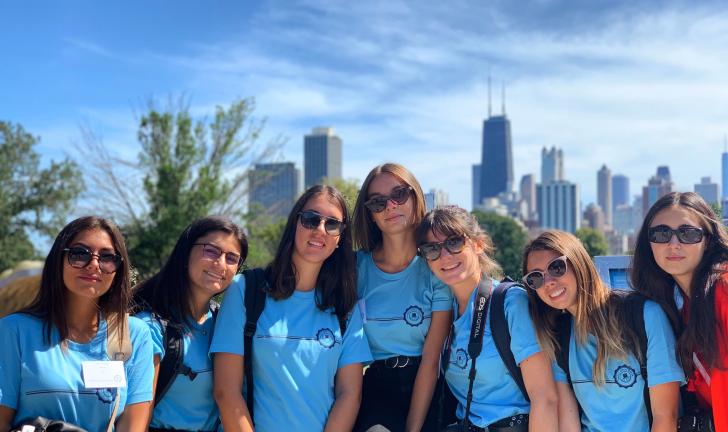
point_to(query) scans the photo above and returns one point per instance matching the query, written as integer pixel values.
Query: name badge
(363, 311)
(103, 374)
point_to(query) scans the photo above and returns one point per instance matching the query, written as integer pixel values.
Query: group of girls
(407, 305)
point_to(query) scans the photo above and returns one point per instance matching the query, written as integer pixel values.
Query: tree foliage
(509, 239)
(31, 199)
(594, 241)
(349, 188)
(186, 169)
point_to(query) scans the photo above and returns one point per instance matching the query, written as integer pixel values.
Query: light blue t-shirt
(619, 403)
(495, 394)
(399, 306)
(297, 350)
(41, 380)
(188, 404)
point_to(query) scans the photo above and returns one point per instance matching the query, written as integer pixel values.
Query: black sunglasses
(686, 234)
(432, 251)
(312, 220)
(556, 268)
(80, 257)
(399, 195)
(213, 253)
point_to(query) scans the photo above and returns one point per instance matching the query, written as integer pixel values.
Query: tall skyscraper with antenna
(496, 168)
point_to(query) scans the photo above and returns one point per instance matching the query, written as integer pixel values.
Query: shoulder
(17, 321)
(363, 257)
(653, 310)
(138, 328)
(514, 294)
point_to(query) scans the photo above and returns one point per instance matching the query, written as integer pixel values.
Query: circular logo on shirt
(461, 358)
(326, 338)
(414, 316)
(106, 395)
(625, 376)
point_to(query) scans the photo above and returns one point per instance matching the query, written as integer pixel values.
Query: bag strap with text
(475, 344)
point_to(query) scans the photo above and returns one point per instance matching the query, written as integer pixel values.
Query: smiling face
(557, 292)
(678, 259)
(89, 282)
(314, 246)
(210, 276)
(395, 217)
(459, 270)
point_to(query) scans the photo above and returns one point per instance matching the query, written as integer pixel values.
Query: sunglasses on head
(555, 268)
(312, 220)
(432, 251)
(686, 234)
(399, 195)
(213, 253)
(80, 257)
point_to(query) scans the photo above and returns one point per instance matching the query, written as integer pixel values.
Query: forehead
(383, 184)
(538, 260)
(221, 239)
(94, 238)
(676, 216)
(325, 205)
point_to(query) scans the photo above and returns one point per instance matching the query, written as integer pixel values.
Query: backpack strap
(118, 348)
(635, 313)
(256, 287)
(502, 335)
(475, 343)
(563, 339)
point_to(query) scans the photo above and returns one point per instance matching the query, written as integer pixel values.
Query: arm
(541, 389)
(664, 400)
(569, 420)
(428, 370)
(135, 417)
(228, 379)
(6, 416)
(348, 397)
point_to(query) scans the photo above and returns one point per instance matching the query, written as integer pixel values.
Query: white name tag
(103, 374)
(363, 310)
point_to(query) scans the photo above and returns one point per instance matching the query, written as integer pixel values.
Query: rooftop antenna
(503, 108)
(489, 109)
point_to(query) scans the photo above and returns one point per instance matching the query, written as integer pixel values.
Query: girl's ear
(478, 246)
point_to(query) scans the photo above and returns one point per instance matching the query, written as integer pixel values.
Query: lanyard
(475, 344)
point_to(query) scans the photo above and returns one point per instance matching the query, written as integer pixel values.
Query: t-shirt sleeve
(719, 378)
(559, 374)
(155, 331)
(441, 295)
(140, 367)
(524, 342)
(9, 363)
(230, 323)
(662, 366)
(355, 346)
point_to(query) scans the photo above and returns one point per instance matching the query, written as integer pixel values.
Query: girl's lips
(90, 278)
(675, 258)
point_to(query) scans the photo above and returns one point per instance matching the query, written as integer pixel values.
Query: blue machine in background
(614, 270)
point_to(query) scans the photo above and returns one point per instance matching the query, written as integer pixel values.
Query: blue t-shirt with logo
(297, 350)
(398, 306)
(37, 379)
(188, 403)
(619, 403)
(495, 394)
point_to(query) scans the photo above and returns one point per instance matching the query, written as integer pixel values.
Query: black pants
(386, 398)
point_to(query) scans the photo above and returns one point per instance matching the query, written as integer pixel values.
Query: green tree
(594, 241)
(509, 239)
(186, 169)
(349, 188)
(31, 199)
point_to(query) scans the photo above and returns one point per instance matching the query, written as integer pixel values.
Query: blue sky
(630, 85)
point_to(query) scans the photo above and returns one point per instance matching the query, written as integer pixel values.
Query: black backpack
(256, 291)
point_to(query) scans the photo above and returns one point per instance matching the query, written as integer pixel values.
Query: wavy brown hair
(597, 309)
(700, 332)
(367, 235)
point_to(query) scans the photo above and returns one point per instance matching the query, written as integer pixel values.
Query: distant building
(708, 190)
(274, 187)
(496, 173)
(724, 168)
(528, 195)
(604, 193)
(476, 185)
(620, 190)
(618, 243)
(658, 186)
(321, 156)
(436, 198)
(552, 165)
(594, 217)
(559, 205)
(624, 219)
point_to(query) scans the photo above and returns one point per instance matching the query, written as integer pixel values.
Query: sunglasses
(556, 268)
(213, 253)
(399, 195)
(80, 257)
(432, 251)
(686, 234)
(312, 220)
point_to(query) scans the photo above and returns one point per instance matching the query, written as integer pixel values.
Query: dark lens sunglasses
(432, 251)
(312, 220)
(399, 195)
(555, 268)
(213, 253)
(80, 257)
(686, 234)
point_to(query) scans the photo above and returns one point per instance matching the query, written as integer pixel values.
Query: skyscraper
(552, 165)
(496, 167)
(708, 190)
(274, 187)
(436, 198)
(724, 167)
(657, 186)
(620, 191)
(476, 186)
(321, 156)
(604, 193)
(559, 206)
(528, 194)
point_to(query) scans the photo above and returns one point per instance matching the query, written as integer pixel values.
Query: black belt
(516, 423)
(396, 362)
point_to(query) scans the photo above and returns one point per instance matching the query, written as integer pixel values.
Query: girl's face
(315, 245)
(213, 261)
(559, 292)
(394, 218)
(453, 268)
(676, 258)
(89, 280)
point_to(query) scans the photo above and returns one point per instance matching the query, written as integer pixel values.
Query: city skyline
(637, 87)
